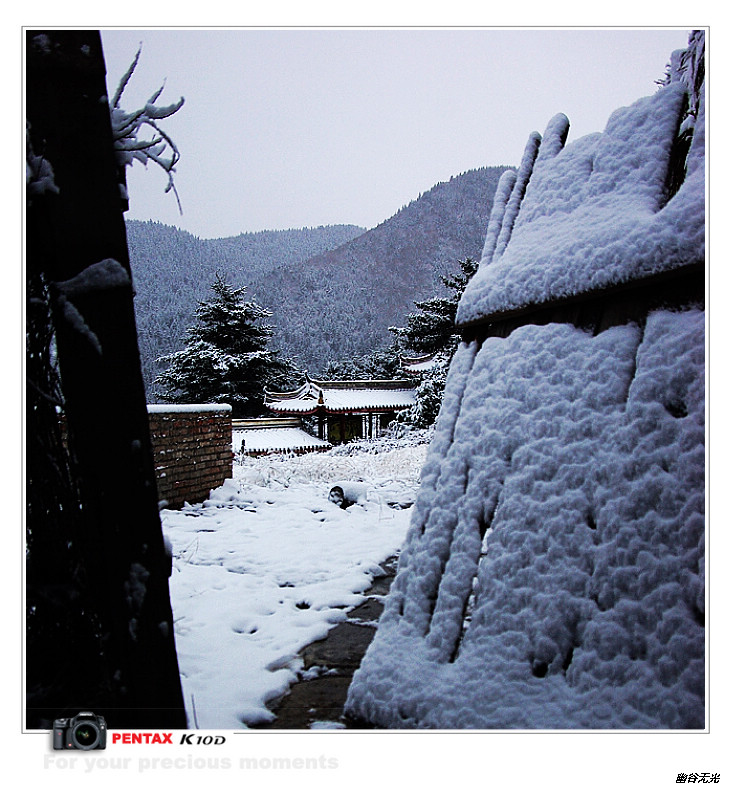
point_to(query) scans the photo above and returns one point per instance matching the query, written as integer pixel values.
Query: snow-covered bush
(428, 396)
(397, 436)
(389, 467)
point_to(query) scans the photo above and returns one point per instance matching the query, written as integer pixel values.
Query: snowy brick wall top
(187, 408)
(594, 214)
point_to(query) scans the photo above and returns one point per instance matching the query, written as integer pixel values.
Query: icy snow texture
(593, 213)
(579, 460)
(517, 193)
(498, 210)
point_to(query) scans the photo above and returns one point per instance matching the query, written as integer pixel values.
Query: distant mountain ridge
(333, 290)
(348, 297)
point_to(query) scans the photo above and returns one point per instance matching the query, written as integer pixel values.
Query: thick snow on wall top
(593, 213)
(172, 408)
(553, 572)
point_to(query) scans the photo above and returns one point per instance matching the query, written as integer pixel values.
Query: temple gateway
(345, 410)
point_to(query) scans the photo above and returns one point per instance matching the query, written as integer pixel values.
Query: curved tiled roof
(422, 363)
(342, 396)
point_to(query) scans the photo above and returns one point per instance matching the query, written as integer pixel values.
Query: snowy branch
(126, 127)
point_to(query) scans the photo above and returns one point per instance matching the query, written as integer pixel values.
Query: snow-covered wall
(553, 572)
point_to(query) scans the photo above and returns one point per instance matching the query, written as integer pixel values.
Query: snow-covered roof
(593, 214)
(421, 363)
(270, 436)
(343, 396)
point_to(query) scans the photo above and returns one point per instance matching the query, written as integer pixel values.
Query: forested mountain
(333, 291)
(342, 302)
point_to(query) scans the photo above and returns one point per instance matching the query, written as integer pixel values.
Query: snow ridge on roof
(594, 213)
(422, 363)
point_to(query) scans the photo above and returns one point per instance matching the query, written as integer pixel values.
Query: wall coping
(165, 408)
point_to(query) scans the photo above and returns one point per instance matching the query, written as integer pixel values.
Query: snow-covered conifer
(431, 330)
(226, 358)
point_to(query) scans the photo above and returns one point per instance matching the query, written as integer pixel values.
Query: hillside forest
(333, 291)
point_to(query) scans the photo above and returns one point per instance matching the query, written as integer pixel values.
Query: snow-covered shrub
(428, 396)
(381, 463)
(398, 436)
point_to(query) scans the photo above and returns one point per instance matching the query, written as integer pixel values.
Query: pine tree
(226, 358)
(432, 329)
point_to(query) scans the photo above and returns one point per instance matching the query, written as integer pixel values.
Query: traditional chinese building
(345, 410)
(266, 435)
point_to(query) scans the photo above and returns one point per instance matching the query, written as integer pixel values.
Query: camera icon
(85, 731)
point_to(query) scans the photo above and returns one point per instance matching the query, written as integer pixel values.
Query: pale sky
(291, 128)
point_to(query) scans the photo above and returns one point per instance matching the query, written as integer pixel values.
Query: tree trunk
(76, 244)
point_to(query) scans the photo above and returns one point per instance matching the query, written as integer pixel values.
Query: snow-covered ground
(268, 564)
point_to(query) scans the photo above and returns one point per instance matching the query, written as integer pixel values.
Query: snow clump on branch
(126, 127)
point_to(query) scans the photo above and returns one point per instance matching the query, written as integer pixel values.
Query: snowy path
(267, 565)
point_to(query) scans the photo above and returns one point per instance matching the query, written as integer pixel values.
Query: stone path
(331, 662)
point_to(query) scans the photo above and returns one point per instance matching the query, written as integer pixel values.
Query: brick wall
(192, 450)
